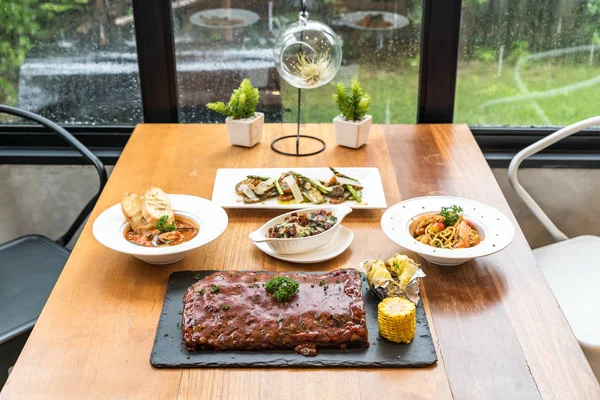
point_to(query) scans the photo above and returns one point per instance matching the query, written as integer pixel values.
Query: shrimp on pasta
(447, 229)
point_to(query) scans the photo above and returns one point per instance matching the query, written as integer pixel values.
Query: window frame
(440, 31)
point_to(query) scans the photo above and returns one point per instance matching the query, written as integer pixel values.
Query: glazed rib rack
(231, 310)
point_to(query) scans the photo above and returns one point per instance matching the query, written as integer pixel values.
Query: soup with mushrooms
(183, 230)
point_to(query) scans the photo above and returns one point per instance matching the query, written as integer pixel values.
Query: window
(521, 64)
(73, 61)
(380, 47)
(528, 62)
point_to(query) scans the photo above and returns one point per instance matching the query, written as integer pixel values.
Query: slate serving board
(169, 351)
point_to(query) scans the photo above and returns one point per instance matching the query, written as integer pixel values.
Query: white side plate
(338, 245)
(224, 189)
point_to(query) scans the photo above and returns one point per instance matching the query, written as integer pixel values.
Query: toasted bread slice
(156, 204)
(139, 224)
(131, 204)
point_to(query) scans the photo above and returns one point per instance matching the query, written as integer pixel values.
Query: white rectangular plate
(224, 190)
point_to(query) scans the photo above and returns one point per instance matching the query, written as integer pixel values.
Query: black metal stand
(297, 136)
(297, 153)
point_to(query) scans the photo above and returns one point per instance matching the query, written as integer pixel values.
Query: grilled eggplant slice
(263, 188)
(270, 193)
(312, 194)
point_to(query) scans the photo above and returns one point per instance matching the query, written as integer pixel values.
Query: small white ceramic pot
(245, 132)
(352, 133)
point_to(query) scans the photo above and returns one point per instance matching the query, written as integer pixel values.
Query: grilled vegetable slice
(278, 187)
(263, 187)
(332, 181)
(338, 173)
(282, 182)
(271, 193)
(337, 200)
(286, 197)
(314, 183)
(397, 319)
(251, 183)
(312, 194)
(249, 196)
(257, 177)
(356, 194)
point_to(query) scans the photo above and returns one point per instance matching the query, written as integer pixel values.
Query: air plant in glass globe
(307, 53)
(312, 69)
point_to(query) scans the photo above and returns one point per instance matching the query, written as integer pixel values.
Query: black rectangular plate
(169, 351)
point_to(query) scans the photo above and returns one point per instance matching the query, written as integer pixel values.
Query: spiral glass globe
(307, 54)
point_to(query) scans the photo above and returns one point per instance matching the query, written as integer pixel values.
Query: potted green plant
(244, 124)
(353, 124)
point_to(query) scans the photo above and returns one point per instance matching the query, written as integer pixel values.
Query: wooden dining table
(498, 330)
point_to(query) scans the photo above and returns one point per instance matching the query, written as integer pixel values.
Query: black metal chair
(30, 265)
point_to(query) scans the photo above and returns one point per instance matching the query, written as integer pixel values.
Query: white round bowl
(304, 244)
(212, 220)
(496, 229)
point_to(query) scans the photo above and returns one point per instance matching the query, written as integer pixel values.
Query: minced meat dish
(298, 225)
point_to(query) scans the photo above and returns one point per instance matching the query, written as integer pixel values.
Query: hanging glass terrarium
(307, 53)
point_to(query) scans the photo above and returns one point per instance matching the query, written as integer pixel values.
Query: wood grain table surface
(498, 330)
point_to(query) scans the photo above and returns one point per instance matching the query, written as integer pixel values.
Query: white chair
(571, 266)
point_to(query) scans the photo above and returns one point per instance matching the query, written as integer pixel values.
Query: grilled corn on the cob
(397, 319)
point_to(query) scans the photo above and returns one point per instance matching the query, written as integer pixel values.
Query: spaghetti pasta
(447, 229)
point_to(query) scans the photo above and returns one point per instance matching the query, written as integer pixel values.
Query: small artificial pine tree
(242, 103)
(353, 106)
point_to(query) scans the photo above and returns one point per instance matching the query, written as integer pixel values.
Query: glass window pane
(528, 62)
(216, 49)
(72, 61)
